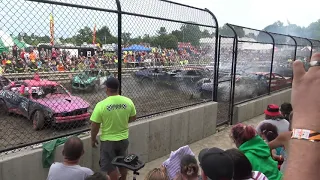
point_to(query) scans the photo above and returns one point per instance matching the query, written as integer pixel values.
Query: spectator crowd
(55, 59)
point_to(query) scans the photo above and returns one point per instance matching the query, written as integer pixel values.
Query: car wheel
(38, 120)
(3, 107)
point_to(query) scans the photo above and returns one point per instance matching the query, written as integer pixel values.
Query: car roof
(40, 83)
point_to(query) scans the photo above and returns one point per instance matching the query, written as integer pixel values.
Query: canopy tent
(20, 44)
(136, 48)
(7, 41)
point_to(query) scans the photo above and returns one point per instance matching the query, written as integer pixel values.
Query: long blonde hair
(156, 174)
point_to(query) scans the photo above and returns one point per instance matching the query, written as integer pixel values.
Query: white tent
(6, 39)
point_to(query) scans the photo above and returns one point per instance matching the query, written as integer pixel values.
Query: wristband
(305, 134)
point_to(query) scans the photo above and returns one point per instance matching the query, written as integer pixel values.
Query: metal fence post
(272, 59)
(119, 44)
(234, 70)
(311, 45)
(296, 47)
(216, 67)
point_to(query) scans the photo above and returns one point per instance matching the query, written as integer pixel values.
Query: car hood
(63, 103)
(84, 79)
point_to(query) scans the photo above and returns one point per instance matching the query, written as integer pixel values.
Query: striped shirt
(173, 163)
(257, 176)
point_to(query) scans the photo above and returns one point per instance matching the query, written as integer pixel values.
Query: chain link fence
(57, 54)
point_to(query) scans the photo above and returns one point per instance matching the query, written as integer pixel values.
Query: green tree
(313, 30)
(162, 31)
(227, 31)
(105, 36)
(205, 34)
(166, 41)
(126, 37)
(147, 39)
(137, 40)
(276, 27)
(178, 34)
(191, 33)
(84, 35)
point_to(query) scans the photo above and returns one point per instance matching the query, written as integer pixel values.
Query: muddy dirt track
(16, 130)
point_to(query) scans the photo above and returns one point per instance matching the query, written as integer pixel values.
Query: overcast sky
(258, 14)
(31, 17)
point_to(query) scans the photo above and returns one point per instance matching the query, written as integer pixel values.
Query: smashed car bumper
(64, 119)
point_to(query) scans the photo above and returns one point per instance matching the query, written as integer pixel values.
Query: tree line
(163, 38)
(186, 33)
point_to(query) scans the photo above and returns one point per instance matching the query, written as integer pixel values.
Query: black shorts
(109, 150)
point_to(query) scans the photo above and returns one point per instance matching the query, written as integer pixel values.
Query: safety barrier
(151, 138)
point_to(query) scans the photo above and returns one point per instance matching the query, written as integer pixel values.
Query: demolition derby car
(246, 86)
(4, 82)
(90, 80)
(43, 102)
(183, 78)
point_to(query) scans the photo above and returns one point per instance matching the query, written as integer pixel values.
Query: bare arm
(281, 140)
(94, 130)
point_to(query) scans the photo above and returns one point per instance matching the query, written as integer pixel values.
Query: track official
(112, 115)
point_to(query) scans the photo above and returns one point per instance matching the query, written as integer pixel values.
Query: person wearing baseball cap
(274, 116)
(113, 116)
(216, 164)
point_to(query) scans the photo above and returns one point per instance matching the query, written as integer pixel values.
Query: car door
(16, 102)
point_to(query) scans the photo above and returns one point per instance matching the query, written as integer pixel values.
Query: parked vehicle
(43, 102)
(90, 80)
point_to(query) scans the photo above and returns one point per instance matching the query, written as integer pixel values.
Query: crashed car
(183, 78)
(43, 102)
(4, 82)
(246, 87)
(277, 81)
(90, 80)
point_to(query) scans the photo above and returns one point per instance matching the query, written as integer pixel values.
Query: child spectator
(269, 132)
(189, 168)
(256, 150)
(286, 109)
(157, 174)
(273, 116)
(242, 167)
(173, 163)
(283, 141)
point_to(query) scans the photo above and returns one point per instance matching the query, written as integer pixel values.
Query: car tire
(38, 120)
(3, 107)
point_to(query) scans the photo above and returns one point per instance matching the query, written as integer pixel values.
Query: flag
(51, 30)
(94, 34)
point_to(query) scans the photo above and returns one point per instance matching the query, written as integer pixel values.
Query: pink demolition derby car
(43, 102)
